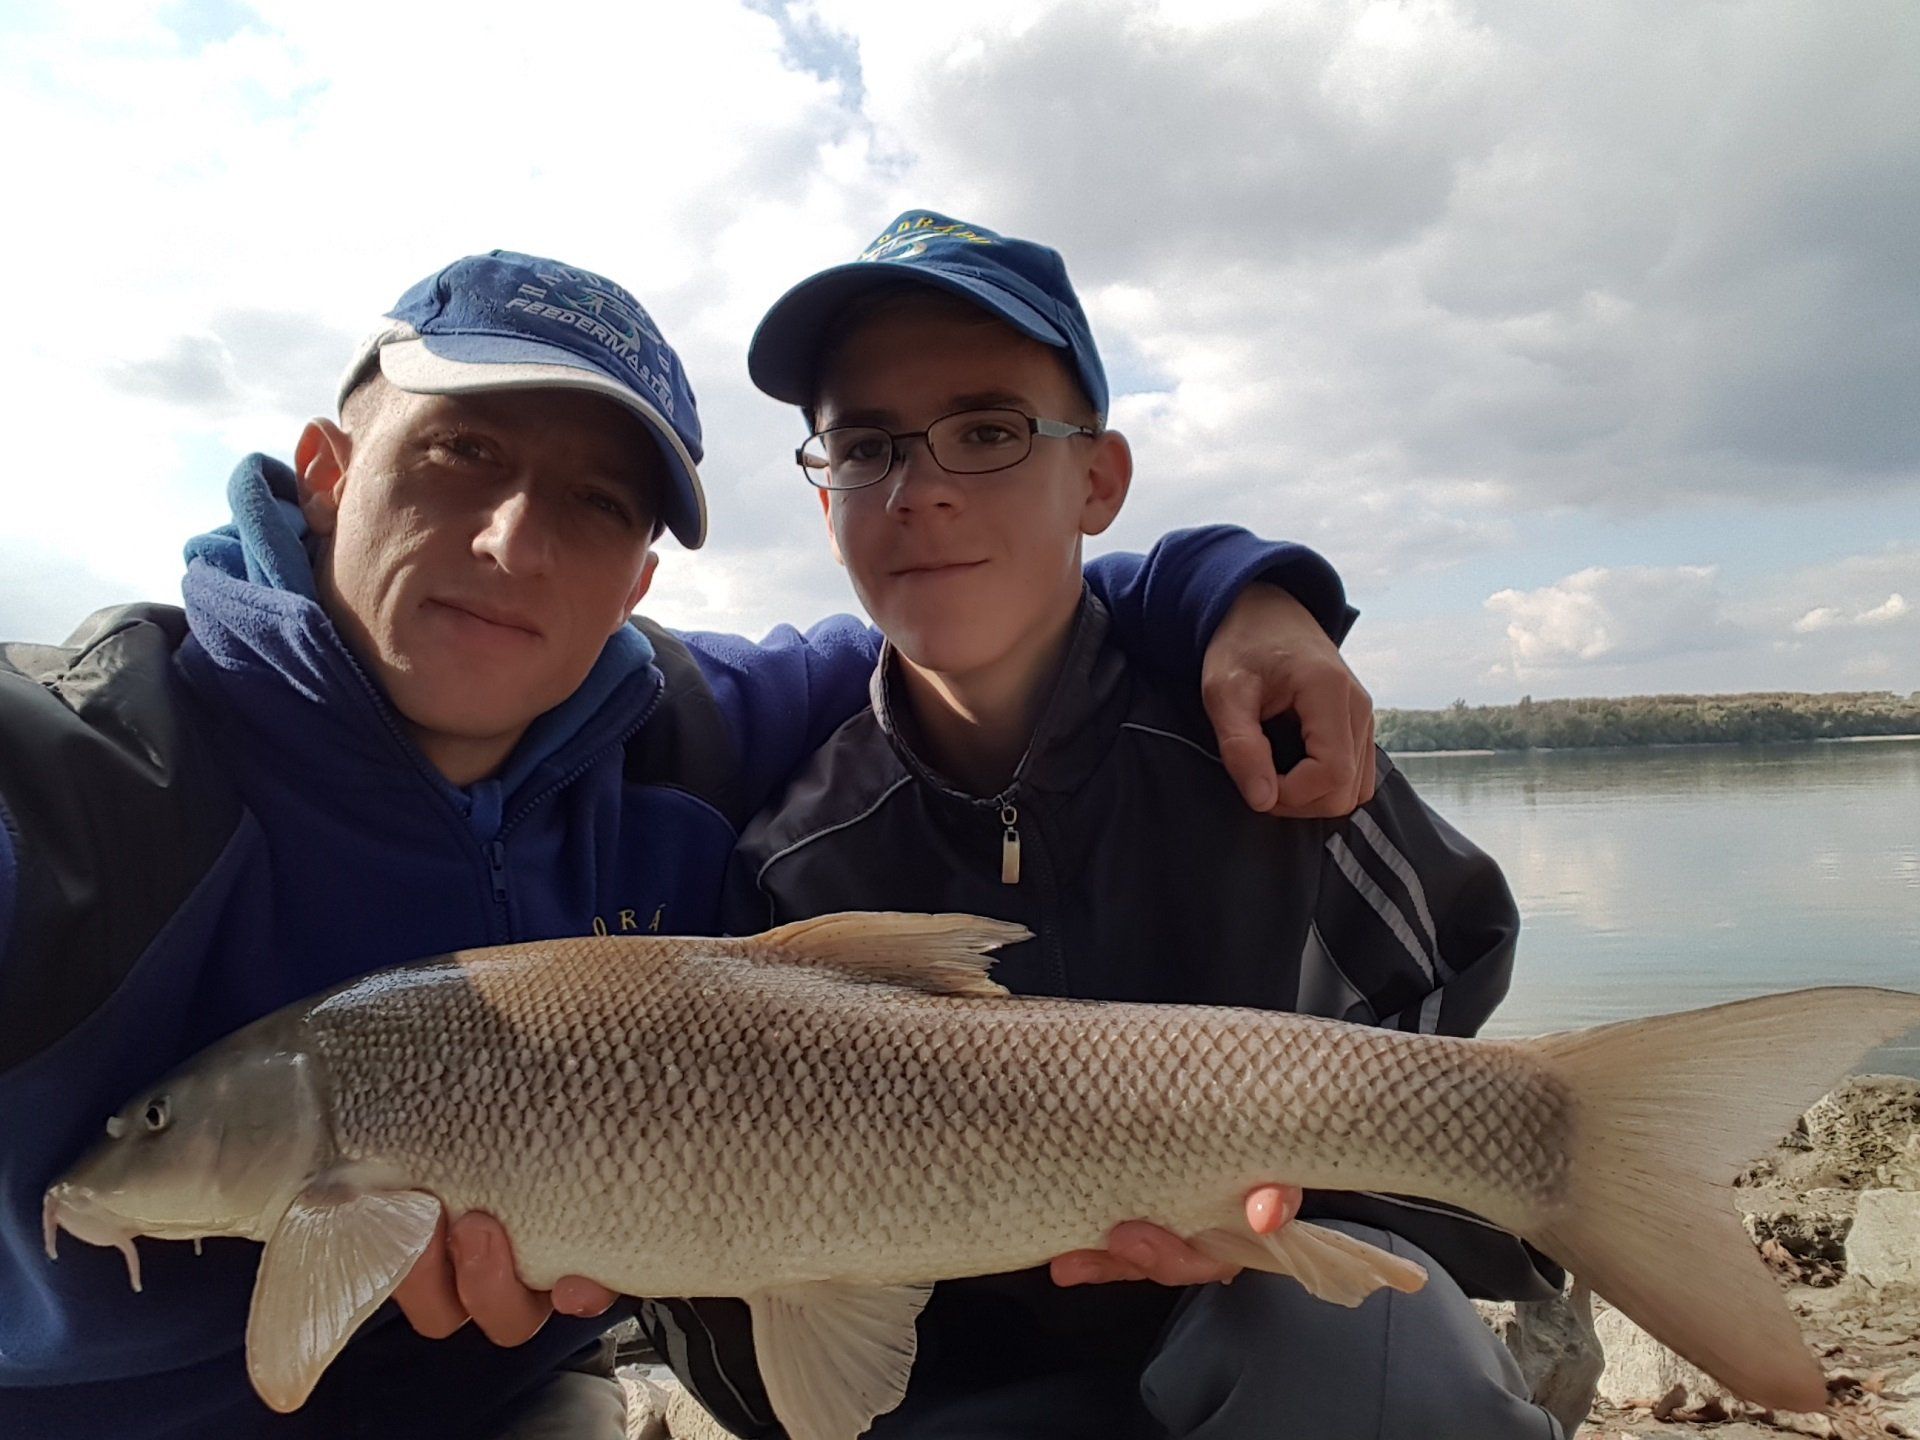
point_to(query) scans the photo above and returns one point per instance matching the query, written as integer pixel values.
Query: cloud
(1613, 615)
(1894, 607)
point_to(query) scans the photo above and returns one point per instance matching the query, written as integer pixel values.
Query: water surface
(1659, 878)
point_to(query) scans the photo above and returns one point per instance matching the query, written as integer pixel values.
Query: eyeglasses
(968, 442)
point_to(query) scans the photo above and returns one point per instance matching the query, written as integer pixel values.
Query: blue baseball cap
(1017, 281)
(507, 321)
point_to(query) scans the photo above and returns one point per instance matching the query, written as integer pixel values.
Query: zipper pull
(1010, 846)
(497, 863)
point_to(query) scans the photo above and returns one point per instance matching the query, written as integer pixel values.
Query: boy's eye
(987, 434)
(863, 448)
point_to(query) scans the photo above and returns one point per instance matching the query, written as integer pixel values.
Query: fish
(826, 1119)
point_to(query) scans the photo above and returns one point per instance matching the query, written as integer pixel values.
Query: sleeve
(1167, 605)
(9, 880)
(1415, 925)
(783, 696)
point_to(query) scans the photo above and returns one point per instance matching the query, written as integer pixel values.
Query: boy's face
(964, 572)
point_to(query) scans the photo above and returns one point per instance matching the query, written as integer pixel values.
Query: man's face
(963, 571)
(480, 549)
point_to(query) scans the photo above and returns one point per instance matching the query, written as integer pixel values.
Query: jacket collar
(282, 668)
(1077, 723)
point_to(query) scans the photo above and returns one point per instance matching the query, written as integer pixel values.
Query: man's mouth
(490, 615)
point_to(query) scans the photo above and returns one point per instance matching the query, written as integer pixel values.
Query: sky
(1584, 340)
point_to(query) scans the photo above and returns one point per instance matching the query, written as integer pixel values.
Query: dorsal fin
(943, 954)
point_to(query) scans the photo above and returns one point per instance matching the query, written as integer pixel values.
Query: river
(1658, 878)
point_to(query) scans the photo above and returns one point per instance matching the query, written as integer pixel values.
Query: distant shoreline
(1603, 723)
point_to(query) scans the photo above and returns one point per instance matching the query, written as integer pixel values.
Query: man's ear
(320, 464)
(641, 585)
(833, 540)
(1109, 474)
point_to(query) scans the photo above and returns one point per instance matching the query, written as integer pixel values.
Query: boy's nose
(917, 480)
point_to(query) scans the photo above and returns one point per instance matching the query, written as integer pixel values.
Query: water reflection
(1653, 879)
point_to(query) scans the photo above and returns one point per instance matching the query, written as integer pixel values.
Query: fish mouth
(72, 1208)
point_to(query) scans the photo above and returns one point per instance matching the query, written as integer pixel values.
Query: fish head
(218, 1147)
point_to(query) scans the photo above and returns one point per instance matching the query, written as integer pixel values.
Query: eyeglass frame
(1037, 428)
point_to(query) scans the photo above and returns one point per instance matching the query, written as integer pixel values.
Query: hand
(1139, 1250)
(1270, 656)
(468, 1273)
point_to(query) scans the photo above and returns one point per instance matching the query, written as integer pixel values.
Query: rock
(1864, 1126)
(1559, 1354)
(1640, 1370)
(1883, 1246)
(646, 1405)
(1902, 1402)
(1806, 1235)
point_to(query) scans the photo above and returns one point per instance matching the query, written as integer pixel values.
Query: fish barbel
(827, 1118)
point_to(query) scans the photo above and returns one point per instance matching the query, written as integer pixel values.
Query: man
(1016, 763)
(404, 712)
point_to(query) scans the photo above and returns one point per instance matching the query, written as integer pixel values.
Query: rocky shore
(1835, 1211)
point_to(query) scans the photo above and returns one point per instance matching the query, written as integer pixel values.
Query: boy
(1015, 764)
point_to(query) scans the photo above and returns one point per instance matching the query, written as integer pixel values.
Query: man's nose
(517, 536)
(917, 481)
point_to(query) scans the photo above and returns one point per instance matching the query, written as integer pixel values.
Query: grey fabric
(1262, 1358)
(569, 1406)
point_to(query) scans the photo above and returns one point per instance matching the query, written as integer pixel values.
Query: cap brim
(784, 355)
(474, 364)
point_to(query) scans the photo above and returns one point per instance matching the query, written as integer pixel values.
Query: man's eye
(863, 449)
(459, 448)
(605, 503)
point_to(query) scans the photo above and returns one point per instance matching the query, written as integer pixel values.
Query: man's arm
(1414, 928)
(1256, 623)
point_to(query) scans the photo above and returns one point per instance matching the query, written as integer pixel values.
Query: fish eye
(157, 1114)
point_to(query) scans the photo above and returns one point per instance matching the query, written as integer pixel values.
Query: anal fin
(1331, 1265)
(834, 1355)
(333, 1259)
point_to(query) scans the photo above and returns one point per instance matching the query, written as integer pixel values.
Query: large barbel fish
(827, 1118)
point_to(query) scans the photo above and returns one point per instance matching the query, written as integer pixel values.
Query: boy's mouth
(938, 567)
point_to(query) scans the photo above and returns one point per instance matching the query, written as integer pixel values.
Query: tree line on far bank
(1650, 720)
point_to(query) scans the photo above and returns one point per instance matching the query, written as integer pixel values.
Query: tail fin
(1668, 1110)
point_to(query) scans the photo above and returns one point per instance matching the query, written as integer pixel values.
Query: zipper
(527, 807)
(497, 865)
(1010, 845)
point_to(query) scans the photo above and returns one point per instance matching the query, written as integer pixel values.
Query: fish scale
(826, 1119)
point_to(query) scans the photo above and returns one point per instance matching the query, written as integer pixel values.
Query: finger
(1164, 1256)
(507, 1312)
(1321, 783)
(427, 1296)
(1271, 1206)
(1092, 1267)
(1233, 705)
(580, 1297)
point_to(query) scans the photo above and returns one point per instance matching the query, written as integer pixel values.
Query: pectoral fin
(334, 1257)
(1332, 1265)
(834, 1355)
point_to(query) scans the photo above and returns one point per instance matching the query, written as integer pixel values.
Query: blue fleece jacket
(353, 853)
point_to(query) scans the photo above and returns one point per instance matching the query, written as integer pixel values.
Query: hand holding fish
(1270, 656)
(1139, 1250)
(469, 1274)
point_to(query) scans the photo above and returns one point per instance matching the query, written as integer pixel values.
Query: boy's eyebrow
(975, 400)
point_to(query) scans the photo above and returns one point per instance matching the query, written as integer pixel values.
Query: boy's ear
(1109, 475)
(320, 465)
(826, 509)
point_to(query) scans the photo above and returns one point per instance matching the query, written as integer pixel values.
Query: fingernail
(471, 1250)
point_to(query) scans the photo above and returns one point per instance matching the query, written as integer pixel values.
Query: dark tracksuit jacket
(1143, 877)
